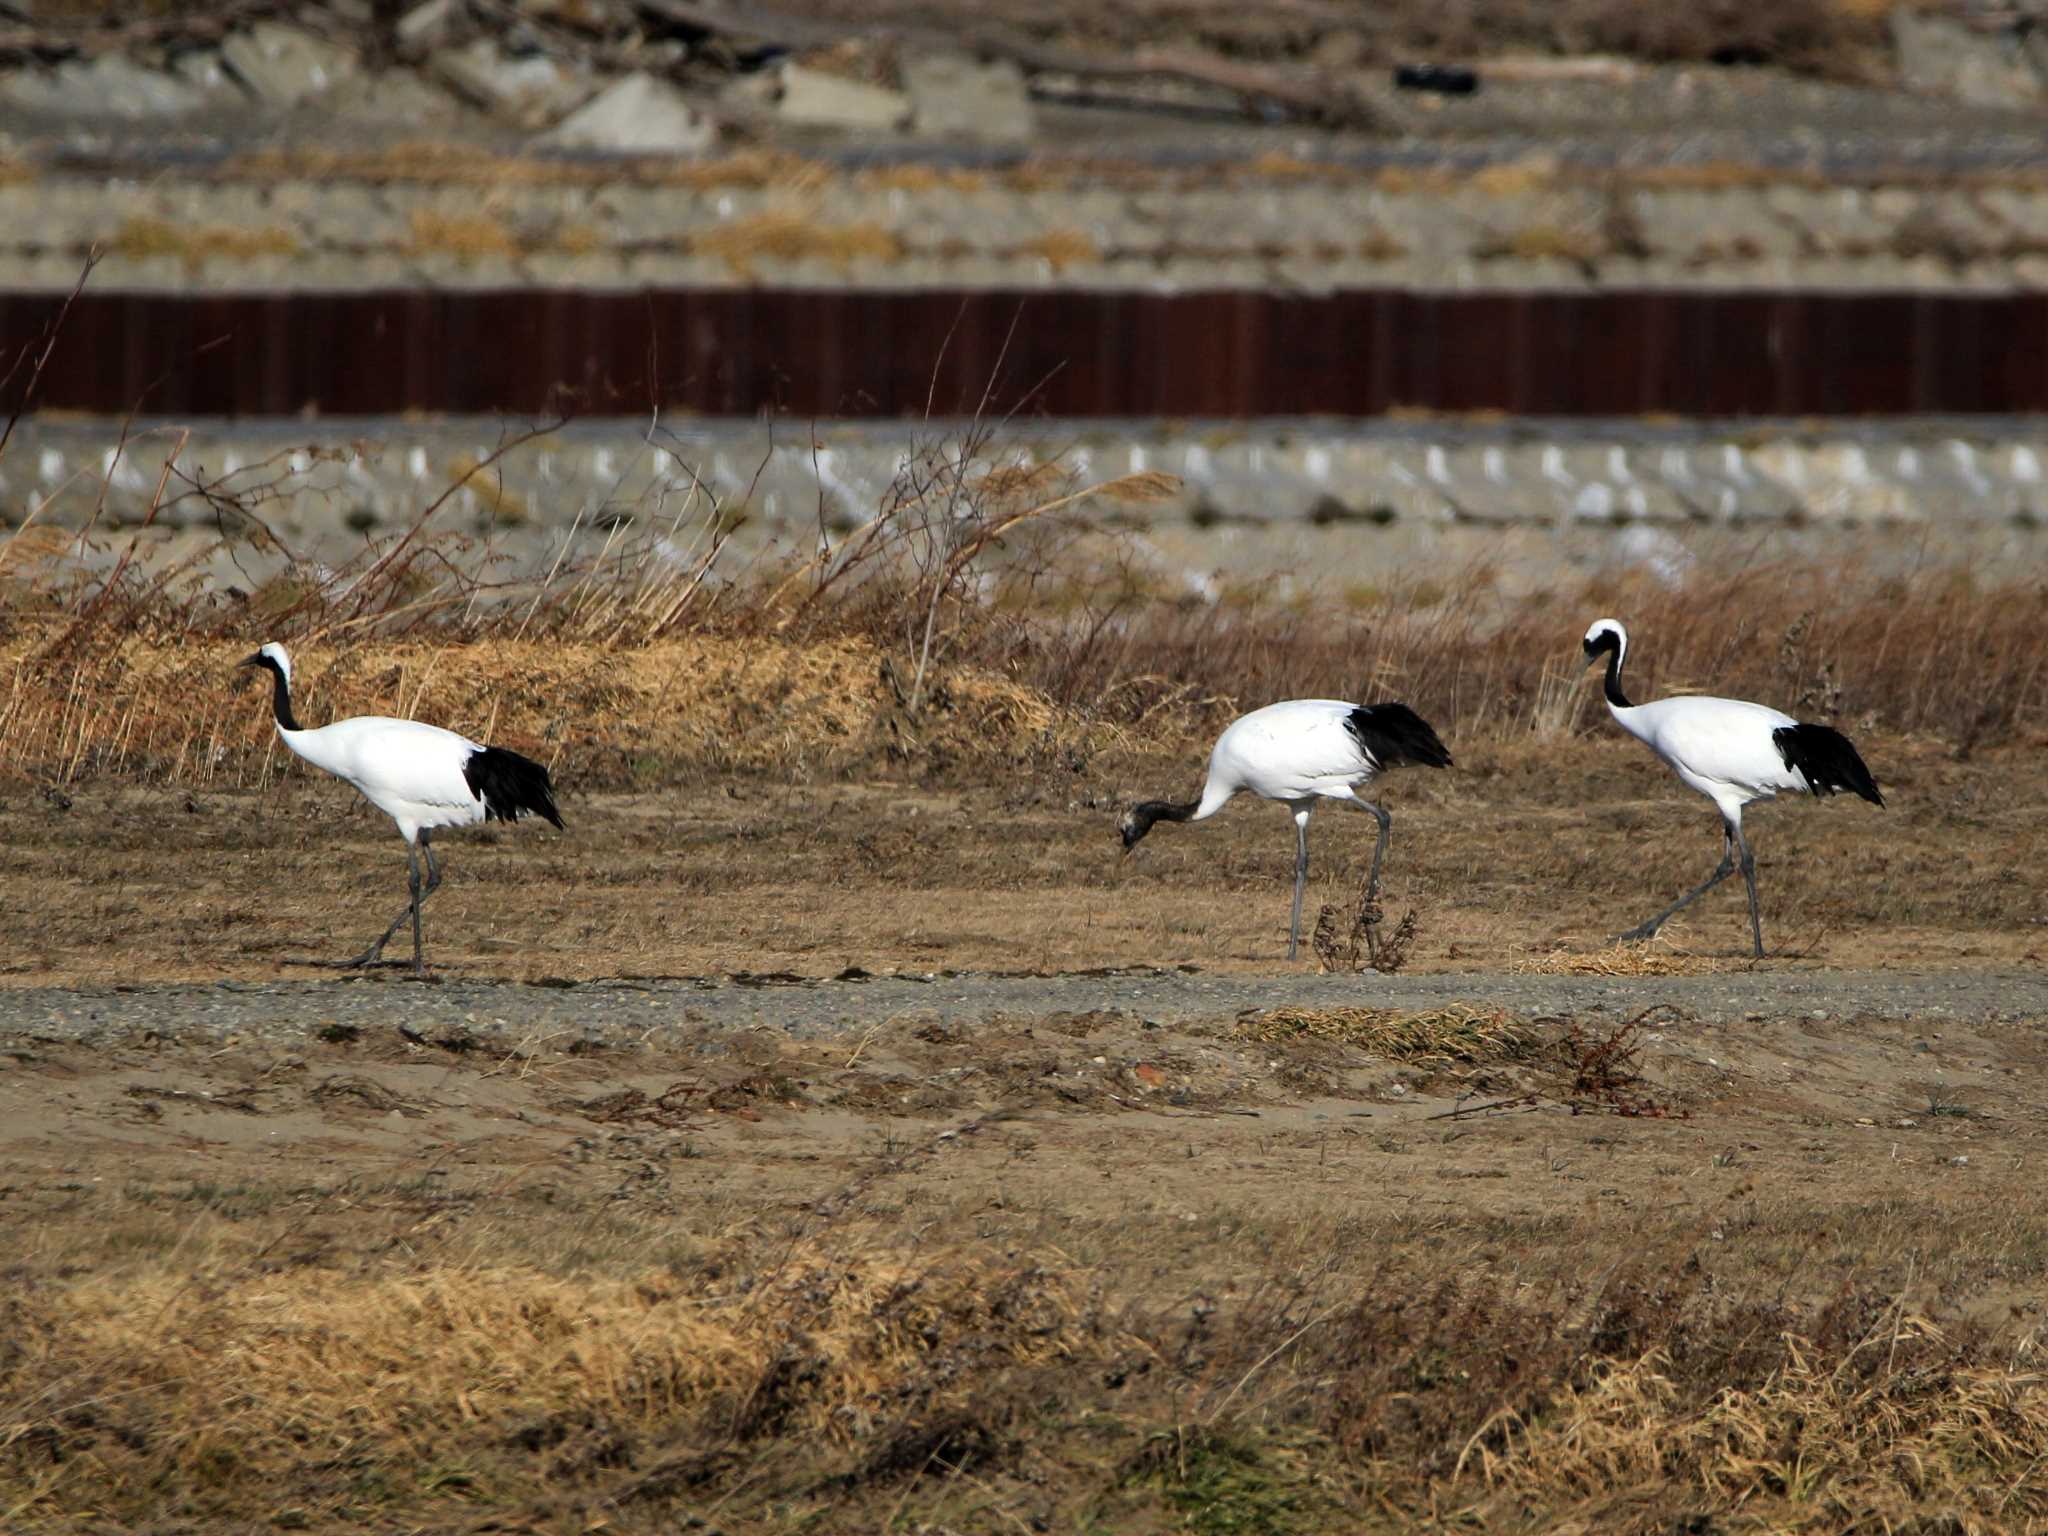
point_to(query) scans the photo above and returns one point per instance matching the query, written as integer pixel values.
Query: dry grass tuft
(231, 1387)
(1545, 242)
(1618, 960)
(785, 237)
(468, 237)
(1458, 1032)
(920, 178)
(1827, 1436)
(195, 245)
(1062, 248)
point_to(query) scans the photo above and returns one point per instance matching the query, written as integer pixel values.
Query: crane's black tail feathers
(510, 785)
(1824, 757)
(1394, 733)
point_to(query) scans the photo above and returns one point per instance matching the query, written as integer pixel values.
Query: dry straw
(1618, 960)
(1457, 1032)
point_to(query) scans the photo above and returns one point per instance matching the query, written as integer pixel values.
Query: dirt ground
(249, 1199)
(1166, 1174)
(1517, 853)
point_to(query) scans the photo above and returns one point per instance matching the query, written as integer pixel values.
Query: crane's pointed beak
(253, 659)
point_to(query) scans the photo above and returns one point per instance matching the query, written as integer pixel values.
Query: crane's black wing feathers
(510, 785)
(1826, 759)
(1393, 733)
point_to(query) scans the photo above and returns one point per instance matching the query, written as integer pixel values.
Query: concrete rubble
(108, 86)
(811, 98)
(531, 89)
(636, 115)
(934, 161)
(953, 97)
(283, 65)
(1942, 56)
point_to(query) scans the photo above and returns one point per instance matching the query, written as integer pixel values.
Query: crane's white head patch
(272, 654)
(1606, 635)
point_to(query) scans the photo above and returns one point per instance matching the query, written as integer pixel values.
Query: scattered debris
(1439, 79)
(636, 115)
(365, 1091)
(531, 89)
(670, 1109)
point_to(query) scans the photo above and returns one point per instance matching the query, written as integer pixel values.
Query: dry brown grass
(848, 1377)
(1826, 1438)
(368, 1392)
(1458, 1032)
(184, 713)
(1062, 248)
(1946, 652)
(468, 237)
(1619, 960)
(195, 245)
(912, 177)
(1114, 669)
(786, 237)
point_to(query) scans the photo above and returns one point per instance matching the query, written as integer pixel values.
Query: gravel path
(673, 1012)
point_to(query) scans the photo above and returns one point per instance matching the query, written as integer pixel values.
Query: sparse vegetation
(932, 1323)
(1460, 1032)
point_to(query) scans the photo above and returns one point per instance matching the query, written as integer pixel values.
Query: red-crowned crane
(1734, 753)
(1299, 752)
(419, 775)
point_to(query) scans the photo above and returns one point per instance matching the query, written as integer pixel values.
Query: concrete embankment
(1347, 502)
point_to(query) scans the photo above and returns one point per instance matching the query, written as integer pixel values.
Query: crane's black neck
(1141, 817)
(1611, 645)
(280, 693)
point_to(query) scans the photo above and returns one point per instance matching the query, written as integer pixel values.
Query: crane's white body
(1721, 748)
(409, 770)
(1297, 752)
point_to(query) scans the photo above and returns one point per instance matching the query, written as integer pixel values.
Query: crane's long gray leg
(413, 884)
(1379, 852)
(433, 865)
(1300, 879)
(375, 952)
(1648, 930)
(1372, 884)
(1756, 921)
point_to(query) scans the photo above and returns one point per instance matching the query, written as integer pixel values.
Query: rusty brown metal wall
(1072, 353)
